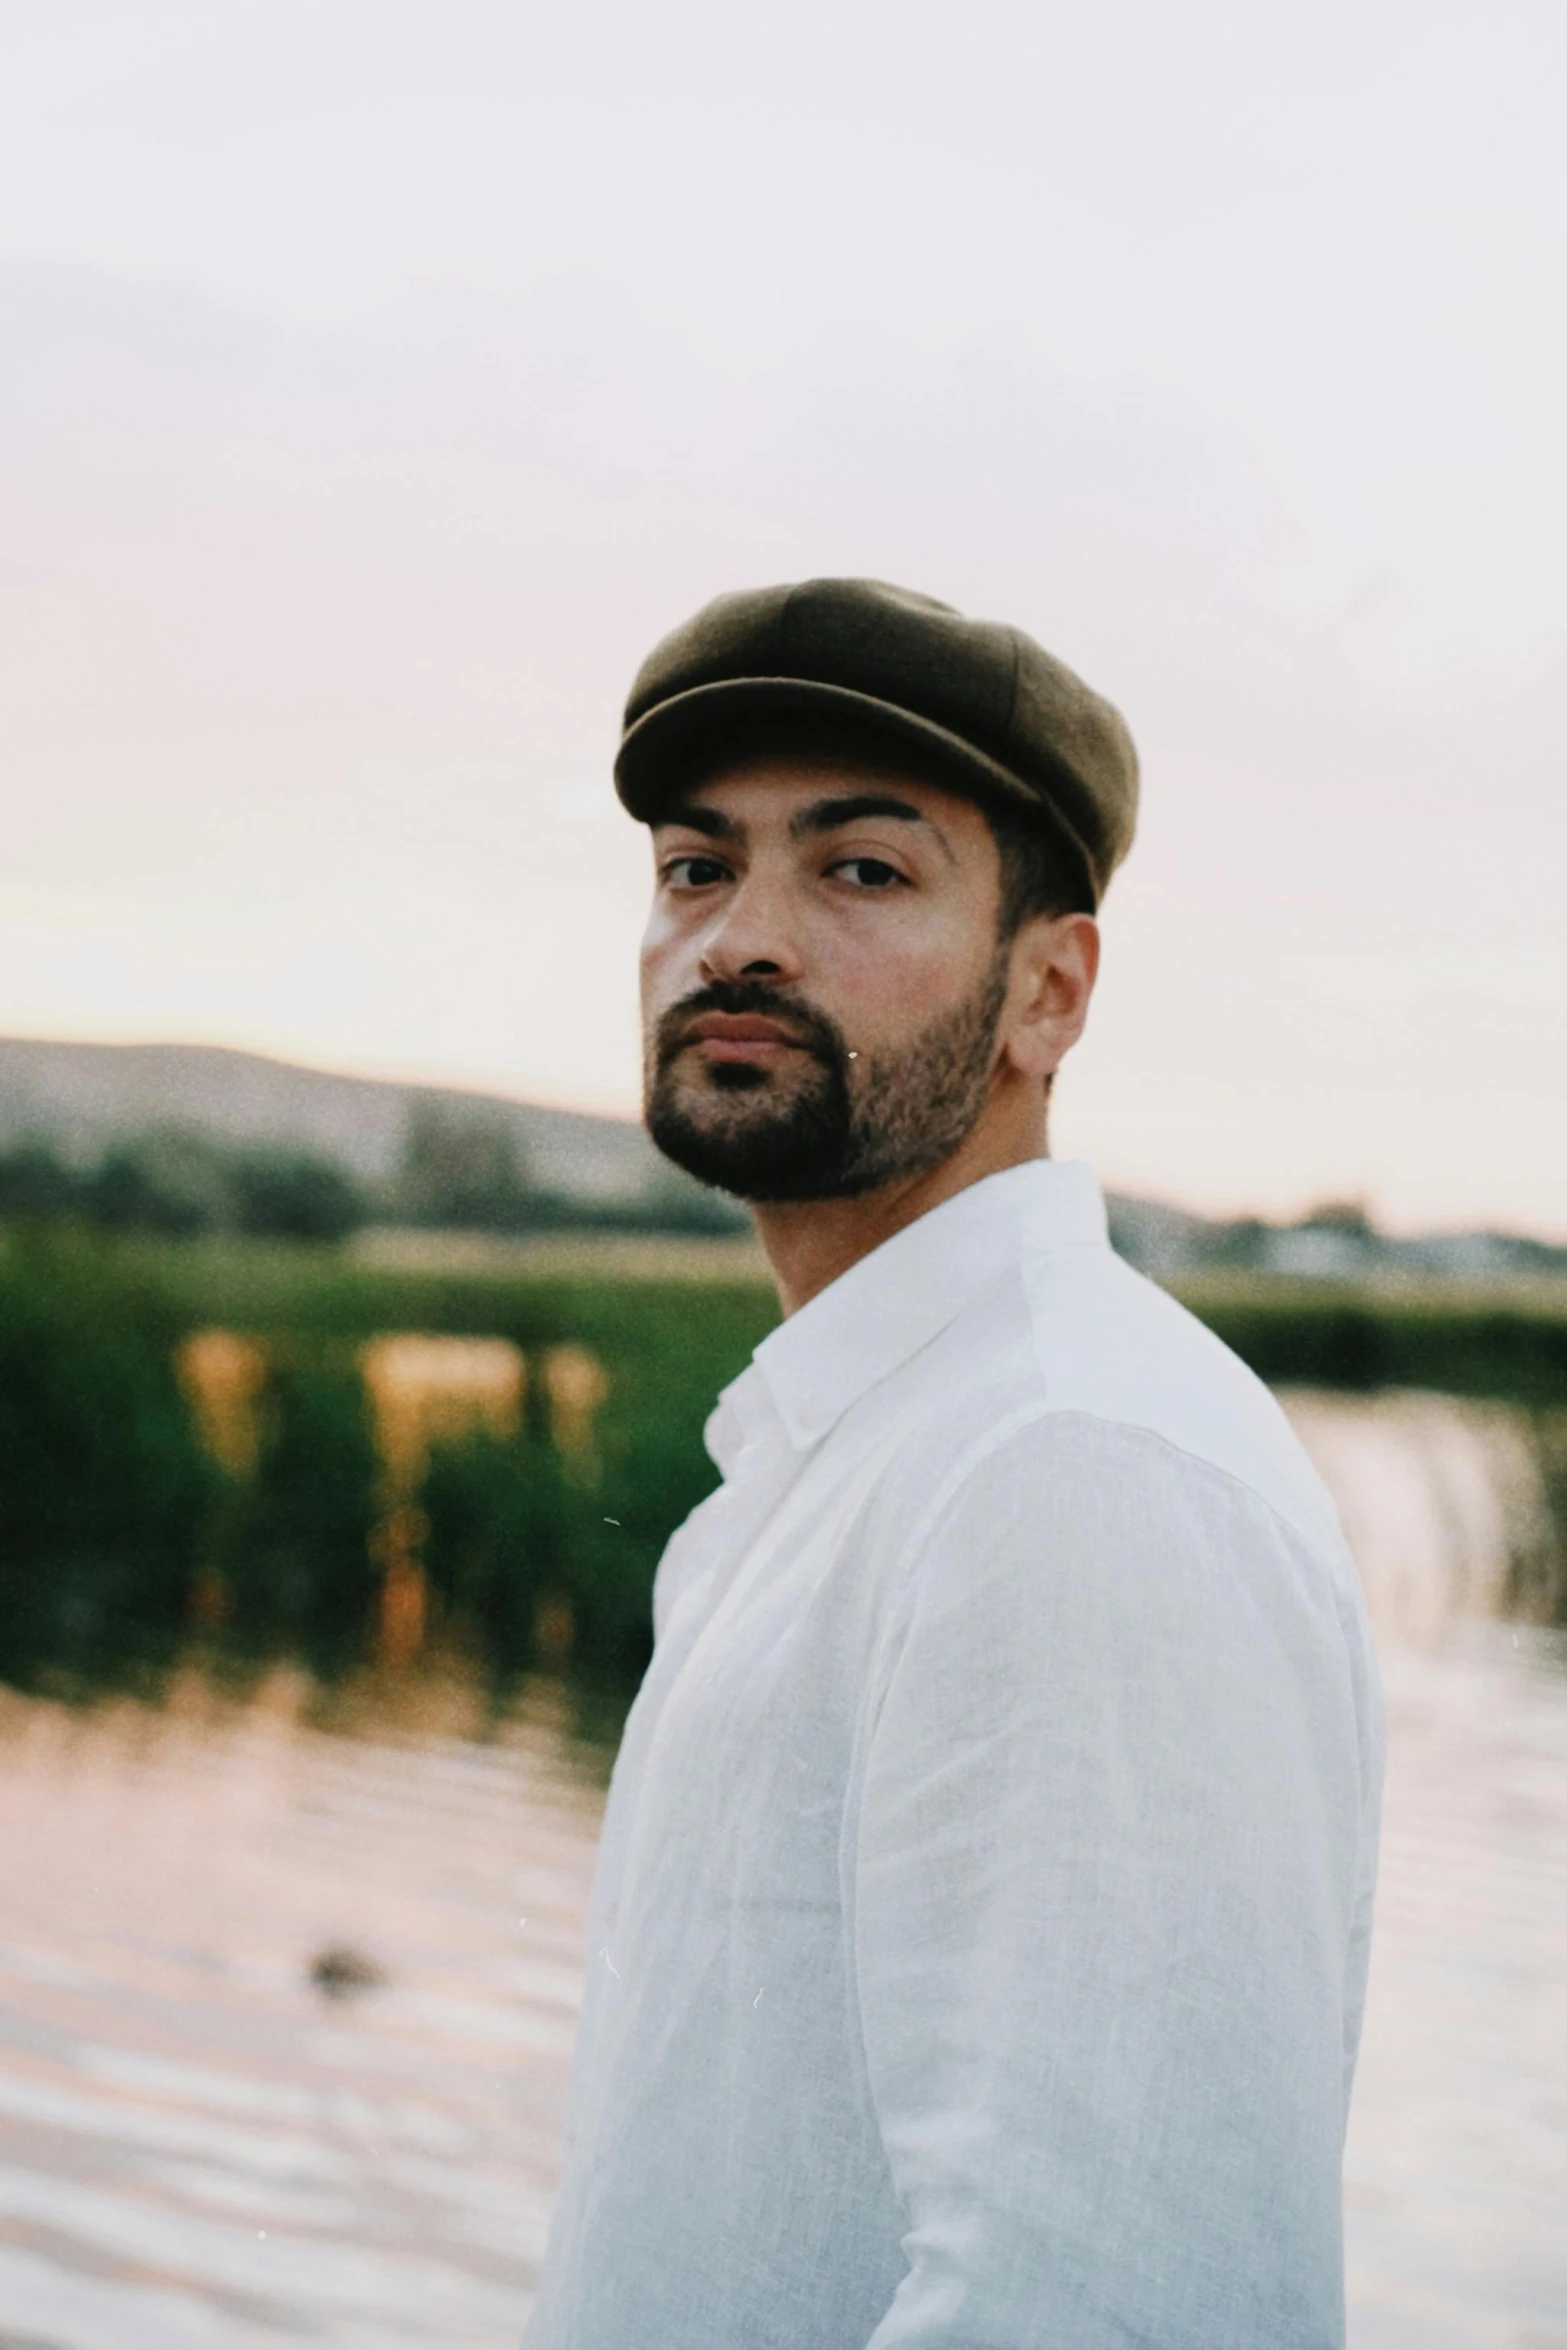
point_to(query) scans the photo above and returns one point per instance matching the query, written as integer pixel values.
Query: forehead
(768, 791)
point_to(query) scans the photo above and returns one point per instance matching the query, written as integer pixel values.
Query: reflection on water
(286, 2008)
(284, 2023)
(1445, 1504)
(1456, 2173)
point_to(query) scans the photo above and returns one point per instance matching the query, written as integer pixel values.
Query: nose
(754, 936)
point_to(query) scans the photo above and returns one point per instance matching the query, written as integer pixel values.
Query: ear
(1055, 961)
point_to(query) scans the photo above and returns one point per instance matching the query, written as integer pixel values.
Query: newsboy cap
(981, 704)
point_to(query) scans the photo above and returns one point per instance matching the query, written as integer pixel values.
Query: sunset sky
(378, 381)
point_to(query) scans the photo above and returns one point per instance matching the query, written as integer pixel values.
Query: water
(201, 2145)
(286, 2005)
(1456, 2168)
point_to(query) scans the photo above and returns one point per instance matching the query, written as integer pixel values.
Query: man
(980, 1934)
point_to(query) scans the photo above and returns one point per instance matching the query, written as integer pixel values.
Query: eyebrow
(820, 816)
(695, 818)
(828, 815)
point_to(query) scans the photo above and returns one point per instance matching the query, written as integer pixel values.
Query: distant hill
(82, 1096)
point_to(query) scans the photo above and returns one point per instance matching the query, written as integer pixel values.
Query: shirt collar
(873, 1318)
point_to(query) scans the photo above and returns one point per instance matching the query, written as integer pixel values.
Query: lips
(741, 1036)
(739, 1028)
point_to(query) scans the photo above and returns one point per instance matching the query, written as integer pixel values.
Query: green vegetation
(123, 1542)
(294, 1558)
(108, 1495)
(1510, 1345)
(177, 1182)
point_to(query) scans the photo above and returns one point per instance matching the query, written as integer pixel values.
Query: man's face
(821, 978)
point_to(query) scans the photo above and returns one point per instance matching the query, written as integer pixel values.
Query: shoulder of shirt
(1077, 1332)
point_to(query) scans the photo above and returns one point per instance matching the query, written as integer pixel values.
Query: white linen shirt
(979, 1939)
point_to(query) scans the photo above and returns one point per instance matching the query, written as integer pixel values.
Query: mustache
(811, 1029)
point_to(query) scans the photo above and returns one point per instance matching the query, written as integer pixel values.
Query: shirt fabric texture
(979, 1940)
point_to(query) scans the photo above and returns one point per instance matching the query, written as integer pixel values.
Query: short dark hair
(1041, 873)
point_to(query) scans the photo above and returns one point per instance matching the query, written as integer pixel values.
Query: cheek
(890, 977)
(662, 960)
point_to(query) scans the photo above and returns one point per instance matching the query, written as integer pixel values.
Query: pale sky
(379, 381)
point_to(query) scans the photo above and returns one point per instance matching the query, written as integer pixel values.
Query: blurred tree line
(177, 1182)
(457, 1173)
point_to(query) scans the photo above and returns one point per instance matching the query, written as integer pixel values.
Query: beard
(820, 1126)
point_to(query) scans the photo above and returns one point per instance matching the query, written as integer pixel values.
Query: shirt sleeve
(1110, 1898)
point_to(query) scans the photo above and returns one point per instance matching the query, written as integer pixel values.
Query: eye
(694, 872)
(868, 872)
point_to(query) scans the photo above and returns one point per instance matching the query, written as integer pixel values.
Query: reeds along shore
(271, 1451)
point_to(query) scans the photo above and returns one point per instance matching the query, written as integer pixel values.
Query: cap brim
(659, 753)
(683, 737)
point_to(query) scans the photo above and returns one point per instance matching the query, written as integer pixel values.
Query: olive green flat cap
(989, 710)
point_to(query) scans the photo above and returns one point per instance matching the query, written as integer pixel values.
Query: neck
(809, 1243)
